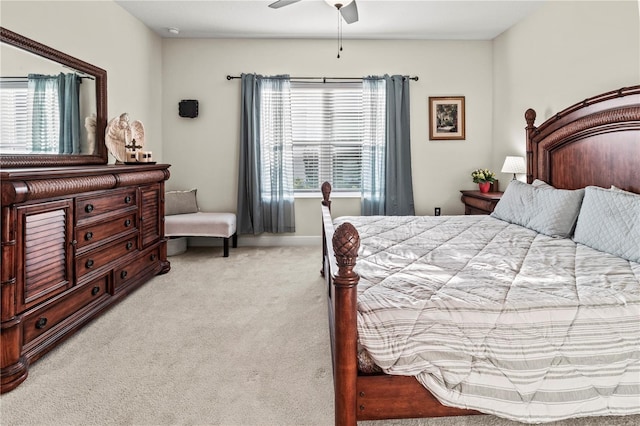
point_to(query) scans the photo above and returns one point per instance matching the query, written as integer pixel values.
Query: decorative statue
(121, 135)
(90, 125)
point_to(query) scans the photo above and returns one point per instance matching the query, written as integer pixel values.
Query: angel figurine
(121, 135)
(90, 123)
(137, 135)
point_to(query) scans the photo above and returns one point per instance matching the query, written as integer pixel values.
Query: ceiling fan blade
(350, 12)
(282, 3)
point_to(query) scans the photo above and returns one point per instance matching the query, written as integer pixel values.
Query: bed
(530, 313)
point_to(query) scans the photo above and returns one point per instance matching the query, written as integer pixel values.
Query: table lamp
(514, 165)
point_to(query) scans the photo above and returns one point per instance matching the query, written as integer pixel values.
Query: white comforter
(495, 317)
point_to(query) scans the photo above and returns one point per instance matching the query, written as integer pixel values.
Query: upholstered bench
(183, 218)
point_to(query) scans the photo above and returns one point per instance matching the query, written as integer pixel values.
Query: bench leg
(226, 247)
(235, 240)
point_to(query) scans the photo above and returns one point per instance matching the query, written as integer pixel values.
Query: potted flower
(484, 178)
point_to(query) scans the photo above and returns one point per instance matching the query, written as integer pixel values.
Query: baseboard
(260, 241)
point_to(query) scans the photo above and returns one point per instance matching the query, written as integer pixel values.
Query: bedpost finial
(530, 116)
(326, 190)
(326, 193)
(346, 242)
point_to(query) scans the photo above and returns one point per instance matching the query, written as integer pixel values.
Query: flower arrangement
(483, 175)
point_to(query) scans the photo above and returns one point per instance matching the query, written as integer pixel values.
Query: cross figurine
(132, 146)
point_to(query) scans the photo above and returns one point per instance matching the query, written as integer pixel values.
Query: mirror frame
(52, 160)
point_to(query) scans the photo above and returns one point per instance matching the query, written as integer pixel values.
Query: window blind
(30, 120)
(14, 120)
(327, 123)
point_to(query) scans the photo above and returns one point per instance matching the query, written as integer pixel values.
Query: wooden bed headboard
(594, 142)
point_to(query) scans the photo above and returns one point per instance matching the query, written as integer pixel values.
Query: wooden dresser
(75, 240)
(476, 202)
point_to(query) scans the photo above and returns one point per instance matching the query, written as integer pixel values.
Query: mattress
(495, 317)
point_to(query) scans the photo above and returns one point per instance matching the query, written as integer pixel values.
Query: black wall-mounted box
(188, 108)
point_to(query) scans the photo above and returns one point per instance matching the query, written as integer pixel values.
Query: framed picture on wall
(446, 118)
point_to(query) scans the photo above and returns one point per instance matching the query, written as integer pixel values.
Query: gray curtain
(265, 181)
(63, 90)
(69, 103)
(42, 89)
(399, 183)
(388, 188)
(372, 199)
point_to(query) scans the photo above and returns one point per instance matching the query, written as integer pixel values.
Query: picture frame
(446, 118)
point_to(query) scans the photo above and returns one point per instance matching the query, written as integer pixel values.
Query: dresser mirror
(54, 106)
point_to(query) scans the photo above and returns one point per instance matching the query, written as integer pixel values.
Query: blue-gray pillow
(609, 221)
(545, 209)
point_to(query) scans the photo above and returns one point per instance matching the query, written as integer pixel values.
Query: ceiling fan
(348, 8)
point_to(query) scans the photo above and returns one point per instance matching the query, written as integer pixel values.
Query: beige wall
(563, 53)
(103, 34)
(204, 151)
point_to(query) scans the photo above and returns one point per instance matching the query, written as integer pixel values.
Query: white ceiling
(379, 19)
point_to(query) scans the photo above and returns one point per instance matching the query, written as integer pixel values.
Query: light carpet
(231, 341)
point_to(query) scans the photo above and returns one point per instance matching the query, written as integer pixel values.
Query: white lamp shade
(514, 165)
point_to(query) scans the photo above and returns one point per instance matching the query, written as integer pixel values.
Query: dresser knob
(129, 245)
(153, 257)
(41, 323)
(127, 199)
(127, 223)
(88, 208)
(88, 235)
(95, 290)
(123, 274)
(74, 242)
(89, 263)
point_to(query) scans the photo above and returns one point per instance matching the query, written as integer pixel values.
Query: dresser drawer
(479, 204)
(42, 319)
(126, 273)
(96, 259)
(96, 205)
(476, 202)
(99, 231)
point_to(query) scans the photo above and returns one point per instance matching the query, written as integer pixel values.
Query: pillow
(542, 208)
(542, 183)
(180, 202)
(609, 221)
(615, 188)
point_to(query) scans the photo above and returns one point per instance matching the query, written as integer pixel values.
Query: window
(328, 133)
(30, 117)
(13, 101)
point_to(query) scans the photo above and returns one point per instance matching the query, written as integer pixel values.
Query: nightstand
(476, 202)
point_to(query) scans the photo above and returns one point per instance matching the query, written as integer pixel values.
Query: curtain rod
(26, 77)
(324, 79)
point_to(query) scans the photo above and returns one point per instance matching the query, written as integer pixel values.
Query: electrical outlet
(437, 211)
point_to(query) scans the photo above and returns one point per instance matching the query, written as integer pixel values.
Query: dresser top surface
(65, 172)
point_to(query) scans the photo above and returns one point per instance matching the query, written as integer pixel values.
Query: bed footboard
(363, 397)
(340, 249)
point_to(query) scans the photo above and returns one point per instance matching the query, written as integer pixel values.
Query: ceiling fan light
(335, 3)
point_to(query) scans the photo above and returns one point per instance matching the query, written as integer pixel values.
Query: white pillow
(180, 202)
(542, 208)
(609, 221)
(538, 182)
(615, 188)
